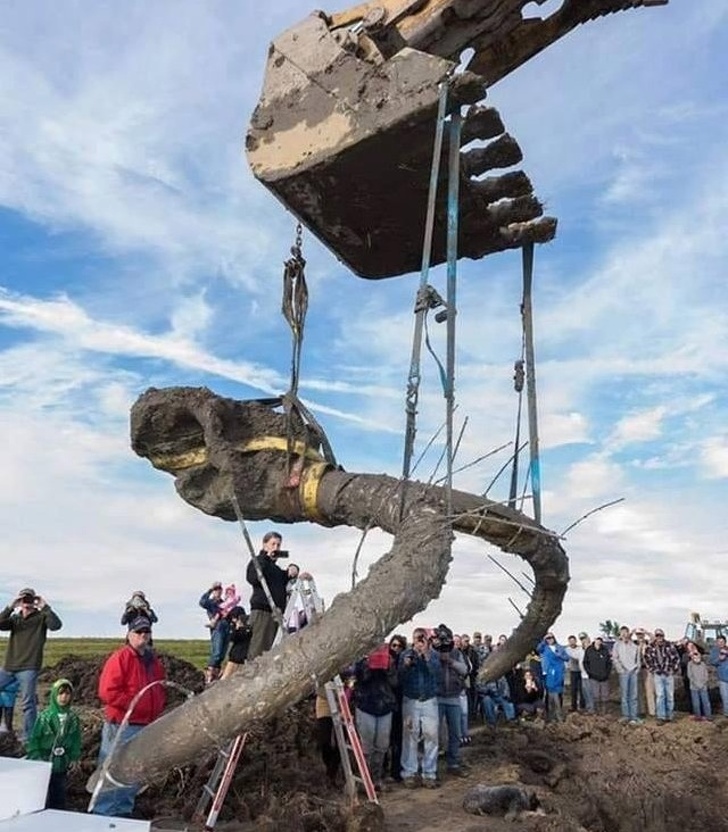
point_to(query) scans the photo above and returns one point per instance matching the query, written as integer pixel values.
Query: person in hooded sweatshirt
(56, 737)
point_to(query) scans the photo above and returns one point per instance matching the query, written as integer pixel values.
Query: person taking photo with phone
(27, 618)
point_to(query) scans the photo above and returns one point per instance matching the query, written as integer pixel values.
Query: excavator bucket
(344, 129)
(347, 146)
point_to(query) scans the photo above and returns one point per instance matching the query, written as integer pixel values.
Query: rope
(294, 306)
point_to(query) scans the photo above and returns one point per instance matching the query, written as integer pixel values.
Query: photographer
(262, 620)
(28, 618)
(240, 634)
(420, 672)
(454, 670)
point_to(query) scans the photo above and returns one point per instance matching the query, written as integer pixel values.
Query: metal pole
(527, 311)
(453, 208)
(275, 612)
(413, 378)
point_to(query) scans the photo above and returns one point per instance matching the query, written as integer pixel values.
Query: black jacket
(597, 663)
(275, 577)
(374, 692)
(239, 644)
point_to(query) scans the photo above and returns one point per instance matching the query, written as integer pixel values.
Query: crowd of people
(278, 596)
(413, 701)
(132, 680)
(130, 689)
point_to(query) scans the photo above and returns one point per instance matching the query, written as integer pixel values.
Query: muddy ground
(590, 774)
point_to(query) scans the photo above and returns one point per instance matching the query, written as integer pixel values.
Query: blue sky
(138, 250)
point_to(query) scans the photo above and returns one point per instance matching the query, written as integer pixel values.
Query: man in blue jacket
(554, 659)
(420, 672)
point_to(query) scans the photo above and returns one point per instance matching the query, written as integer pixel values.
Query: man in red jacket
(132, 669)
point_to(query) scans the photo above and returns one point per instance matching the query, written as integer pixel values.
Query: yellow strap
(198, 456)
(308, 490)
(178, 462)
(279, 443)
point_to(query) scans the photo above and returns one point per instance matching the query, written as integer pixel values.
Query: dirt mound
(590, 774)
(83, 673)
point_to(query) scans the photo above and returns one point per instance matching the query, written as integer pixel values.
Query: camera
(442, 639)
(28, 599)
(282, 553)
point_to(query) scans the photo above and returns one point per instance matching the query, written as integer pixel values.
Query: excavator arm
(501, 37)
(343, 131)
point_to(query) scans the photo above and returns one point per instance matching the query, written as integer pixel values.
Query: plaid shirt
(662, 659)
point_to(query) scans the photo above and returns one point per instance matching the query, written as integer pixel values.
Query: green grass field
(194, 651)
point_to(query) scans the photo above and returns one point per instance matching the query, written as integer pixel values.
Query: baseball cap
(640, 631)
(26, 591)
(583, 635)
(139, 624)
(659, 632)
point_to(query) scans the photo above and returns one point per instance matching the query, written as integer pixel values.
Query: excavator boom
(343, 131)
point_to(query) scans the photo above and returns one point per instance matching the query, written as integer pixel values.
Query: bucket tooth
(346, 145)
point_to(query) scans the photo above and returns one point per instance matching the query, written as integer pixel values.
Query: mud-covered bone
(212, 446)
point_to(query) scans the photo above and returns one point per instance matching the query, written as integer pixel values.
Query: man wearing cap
(124, 675)
(28, 618)
(646, 679)
(663, 662)
(554, 659)
(586, 687)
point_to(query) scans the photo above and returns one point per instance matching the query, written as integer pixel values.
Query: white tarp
(23, 790)
(23, 786)
(51, 820)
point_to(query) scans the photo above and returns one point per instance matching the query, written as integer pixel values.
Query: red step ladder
(215, 790)
(348, 741)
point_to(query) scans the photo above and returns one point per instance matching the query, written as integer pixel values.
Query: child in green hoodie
(56, 737)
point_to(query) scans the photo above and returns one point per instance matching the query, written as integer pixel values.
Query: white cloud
(594, 477)
(120, 144)
(639, 427)
(714, 457)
